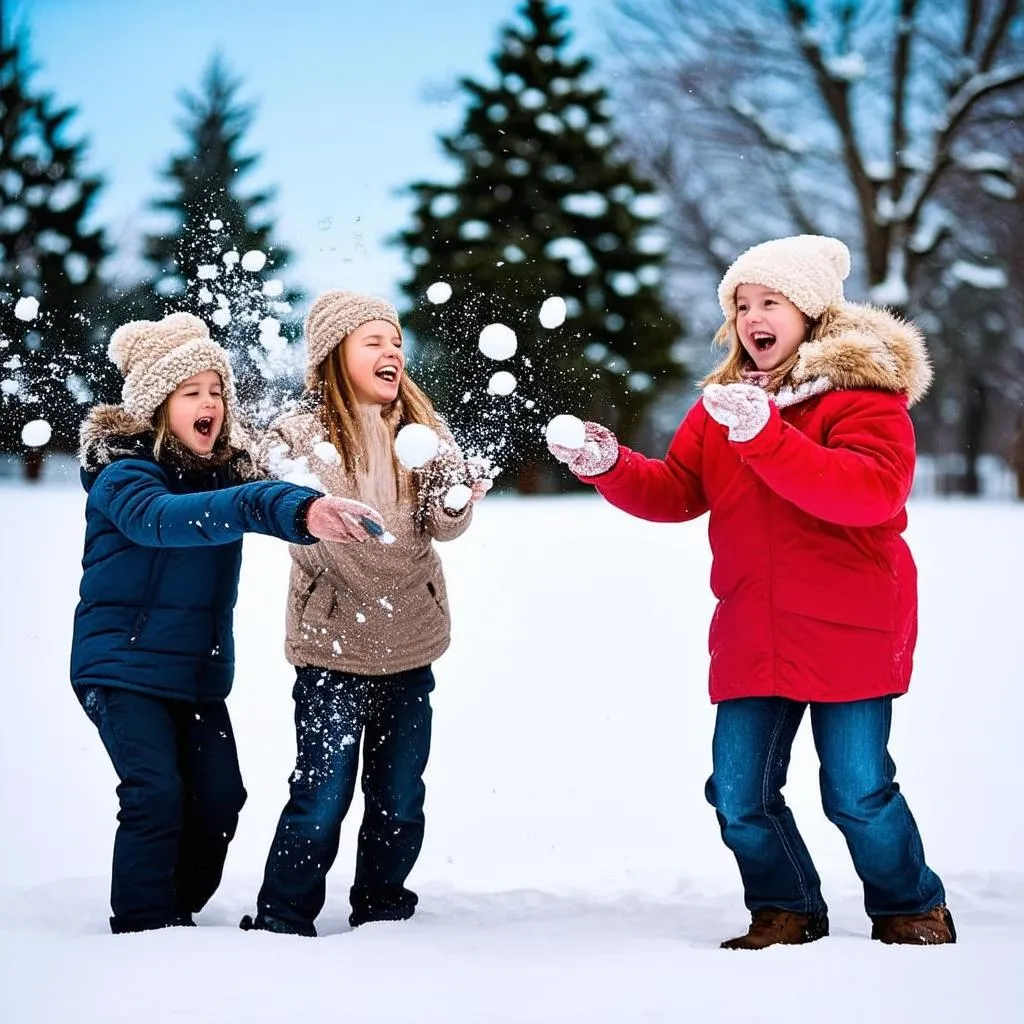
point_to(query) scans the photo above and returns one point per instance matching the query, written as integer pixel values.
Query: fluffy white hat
(155, 356)
(336, 314)
(808, 269)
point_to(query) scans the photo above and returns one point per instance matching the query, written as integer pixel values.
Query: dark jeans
(180, 792)
(751, 748)
(332, 711)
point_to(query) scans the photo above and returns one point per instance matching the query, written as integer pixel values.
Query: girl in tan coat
(363, 626)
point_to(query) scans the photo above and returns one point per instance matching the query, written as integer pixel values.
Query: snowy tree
(891, 125)
(219, 260)
(544, 208)
(49, 262)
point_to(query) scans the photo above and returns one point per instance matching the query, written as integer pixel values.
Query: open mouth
(763, 341)
(204, 426)
(388, 373)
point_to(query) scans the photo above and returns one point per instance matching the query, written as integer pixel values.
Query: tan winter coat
(368, 608)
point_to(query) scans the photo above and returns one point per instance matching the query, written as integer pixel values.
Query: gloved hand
(599, 453)
(342, 520)
(743, 408)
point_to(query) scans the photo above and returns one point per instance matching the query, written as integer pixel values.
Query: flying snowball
(327, 453)
(254, 260)
(26, 308)
(498, 342)
(568, 431)
(273, 287)
(552, 312)
(502, 383)
(207, 272)
(230, 258)
(415, 445)
(222, 317)
(216, 225)
(36, 433)
(439, 291)
(457, 497)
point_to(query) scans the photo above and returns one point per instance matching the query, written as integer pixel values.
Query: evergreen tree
(202, 264)
(543, 206)
(49, 263)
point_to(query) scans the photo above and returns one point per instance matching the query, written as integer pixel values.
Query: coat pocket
(863, 599)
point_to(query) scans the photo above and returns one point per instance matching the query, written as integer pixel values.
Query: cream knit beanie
(808, 269)
(334, 316)
(155, 356)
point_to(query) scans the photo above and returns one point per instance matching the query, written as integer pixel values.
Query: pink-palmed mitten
(599, 453)
(743, 408)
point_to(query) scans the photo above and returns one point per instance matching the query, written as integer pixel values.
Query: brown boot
(933, 928)
(770, 926)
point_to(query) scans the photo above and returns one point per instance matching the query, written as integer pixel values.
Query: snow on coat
(816, 587)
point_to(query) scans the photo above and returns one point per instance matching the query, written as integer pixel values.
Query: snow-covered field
(572, 870)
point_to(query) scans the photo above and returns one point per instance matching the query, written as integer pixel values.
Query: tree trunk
(32, 460)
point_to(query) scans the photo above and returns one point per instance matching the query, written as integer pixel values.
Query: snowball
(222, 316)
(439, 291)
(552, 312)
(568, 431)
(498, 341)
(327, 453)
(502, 383)
(457, 497)
(207, 272)
(205, 296)
(270, 325)
(26, 307)
(230, 258)
(273, 287)
(216, 225)
(36, 433)
(254, 260)
(416, 444)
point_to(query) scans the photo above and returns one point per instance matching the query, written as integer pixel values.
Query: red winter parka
(816, 588)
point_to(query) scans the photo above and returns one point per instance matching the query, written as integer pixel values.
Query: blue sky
(350, 94)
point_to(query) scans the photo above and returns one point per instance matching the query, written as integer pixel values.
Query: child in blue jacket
(152, 659)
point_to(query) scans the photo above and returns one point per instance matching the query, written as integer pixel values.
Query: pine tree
(211, 263)
(544, 206)
(49, 262)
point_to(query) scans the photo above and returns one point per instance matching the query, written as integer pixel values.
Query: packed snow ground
(572, 870)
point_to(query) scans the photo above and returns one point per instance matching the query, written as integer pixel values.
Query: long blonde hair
(737, 362)
(338, 412)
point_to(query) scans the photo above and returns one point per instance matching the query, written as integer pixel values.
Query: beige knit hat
(155, 356)
(334, 316)
(808, 269)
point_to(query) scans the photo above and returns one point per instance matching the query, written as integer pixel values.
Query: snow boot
(933, 928)
(770, 926)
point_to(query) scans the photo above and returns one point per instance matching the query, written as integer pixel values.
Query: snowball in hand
(415, 445)
(552, 312)
(439, 291)
(327, 453)
(35, 433)
(568, 431)
(501, 383)
(26, 307)
(457, 497)
(498, 342)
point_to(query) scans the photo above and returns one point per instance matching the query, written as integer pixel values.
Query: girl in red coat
(802, 451)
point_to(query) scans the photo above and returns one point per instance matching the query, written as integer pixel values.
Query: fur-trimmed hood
(110, 432)
(863, 346)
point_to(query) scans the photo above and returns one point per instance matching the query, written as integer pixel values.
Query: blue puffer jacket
(163, 551)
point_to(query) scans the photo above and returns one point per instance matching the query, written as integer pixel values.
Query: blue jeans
(180, 791)
(750, 751)
(332, 711)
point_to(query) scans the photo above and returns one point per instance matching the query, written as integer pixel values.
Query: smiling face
(769, 326)
(374, 362)
(195, 411)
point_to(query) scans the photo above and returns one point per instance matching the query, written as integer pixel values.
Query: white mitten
(743, 408)
(599, 453)
(342, 520)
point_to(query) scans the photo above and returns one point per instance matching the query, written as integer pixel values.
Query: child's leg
(860, 796)
(395, 752)
(750, 754)
(327, 727)
(140, 735)
(214, 796)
